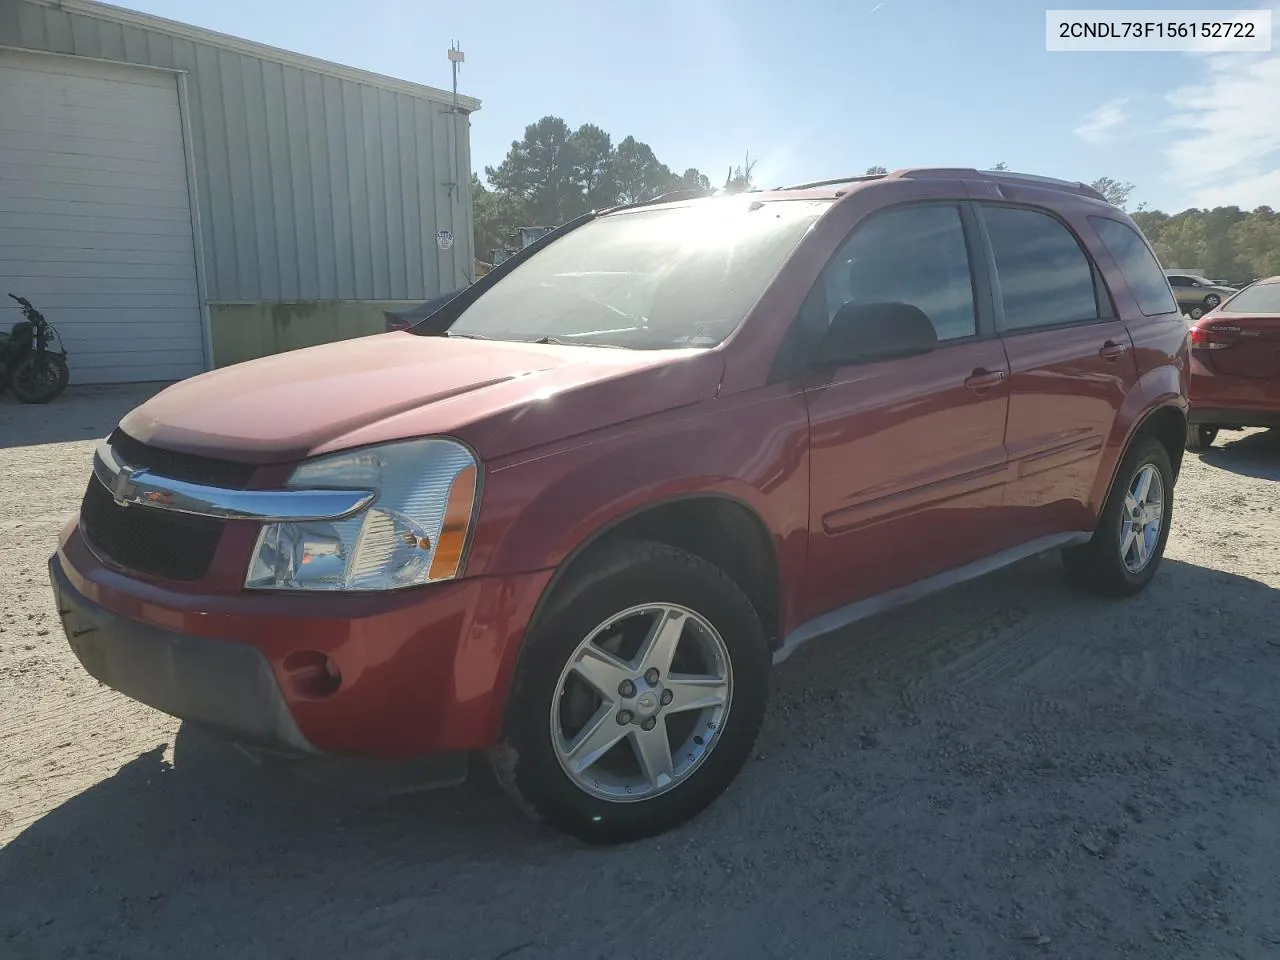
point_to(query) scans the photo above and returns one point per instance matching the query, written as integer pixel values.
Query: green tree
(1114, 191)
(540, 170)
(497, 216)
(637, 173)
(1257, 240)
(1182, 243)
(871, 171)
(999, 166)
(591, 160)
(692, 179)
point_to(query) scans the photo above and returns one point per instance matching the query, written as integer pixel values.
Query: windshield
(646, 279)
(1260, 298)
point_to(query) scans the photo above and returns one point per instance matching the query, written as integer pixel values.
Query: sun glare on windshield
(665, 277)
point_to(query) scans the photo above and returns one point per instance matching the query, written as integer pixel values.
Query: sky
(817, 88)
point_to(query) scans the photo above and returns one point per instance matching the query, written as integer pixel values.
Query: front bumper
(423, 671)
(226, 686)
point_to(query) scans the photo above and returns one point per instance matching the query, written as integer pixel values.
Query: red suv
(1235, 365)
(571, 519)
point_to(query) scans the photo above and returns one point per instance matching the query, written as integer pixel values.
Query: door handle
(983, 379)
(1112, 351)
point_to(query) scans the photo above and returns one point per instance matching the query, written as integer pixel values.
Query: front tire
(1200, 436)
(639, 695)
(39, 377)
(1128, 544)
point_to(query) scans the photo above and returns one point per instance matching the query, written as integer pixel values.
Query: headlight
(414, 532)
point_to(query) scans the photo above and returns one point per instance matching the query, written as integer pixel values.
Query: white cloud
(1224, 131)
(1105, 121)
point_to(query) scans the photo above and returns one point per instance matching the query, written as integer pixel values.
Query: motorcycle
(36, 372)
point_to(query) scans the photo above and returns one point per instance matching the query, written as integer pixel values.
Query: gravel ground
(1008, 770)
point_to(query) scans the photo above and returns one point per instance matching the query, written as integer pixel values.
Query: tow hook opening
(312, 674)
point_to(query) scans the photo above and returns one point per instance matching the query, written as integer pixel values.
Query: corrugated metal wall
(310, 186)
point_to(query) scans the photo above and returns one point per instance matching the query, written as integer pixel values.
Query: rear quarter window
(1141, 270)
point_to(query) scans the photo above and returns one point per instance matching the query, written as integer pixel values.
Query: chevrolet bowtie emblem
(122, 487)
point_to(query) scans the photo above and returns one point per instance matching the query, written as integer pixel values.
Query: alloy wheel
(642, 702)
(1141, 518)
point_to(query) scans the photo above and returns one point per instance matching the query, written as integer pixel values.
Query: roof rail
(1031, 179)
(674, 195)
(833, 182)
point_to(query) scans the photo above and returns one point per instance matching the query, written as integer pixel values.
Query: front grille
(209, 471)
(159, 543)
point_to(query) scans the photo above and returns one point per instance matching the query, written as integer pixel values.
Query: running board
(862, 609)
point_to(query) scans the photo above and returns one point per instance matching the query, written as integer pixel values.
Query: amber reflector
(453, 532)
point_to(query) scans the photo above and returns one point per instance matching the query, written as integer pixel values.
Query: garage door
(95, 222)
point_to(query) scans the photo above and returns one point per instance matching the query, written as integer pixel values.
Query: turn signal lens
(452, 540)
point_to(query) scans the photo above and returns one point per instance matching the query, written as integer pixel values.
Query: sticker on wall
(444, 239)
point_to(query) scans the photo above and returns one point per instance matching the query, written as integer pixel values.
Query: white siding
(95, 220)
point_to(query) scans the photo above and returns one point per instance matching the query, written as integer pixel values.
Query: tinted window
(1045, 278)
(1139, 266)
(914, 255)
(1260, 298)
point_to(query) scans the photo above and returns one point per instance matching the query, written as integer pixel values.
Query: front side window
(647, 279)
(1139, 266)
(914, 255)
(1179, 281)
(1045, 278)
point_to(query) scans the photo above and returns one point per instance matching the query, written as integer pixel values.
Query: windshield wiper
(562, 342)
(467, 336)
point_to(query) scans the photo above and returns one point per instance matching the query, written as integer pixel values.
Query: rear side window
(1141, 272)
(1045, 278)
(914, 255)
(1260, 298)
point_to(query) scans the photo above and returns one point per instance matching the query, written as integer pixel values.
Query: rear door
(906, 455)
(1243, 338)
(1071, 365)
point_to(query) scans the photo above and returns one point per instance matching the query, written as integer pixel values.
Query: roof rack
(833, 182)
(1031, 179)
(674, 195)
(923, 173)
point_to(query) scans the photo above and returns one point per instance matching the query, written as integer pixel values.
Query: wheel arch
(1168, 424)
(1161, 422)
(719, 527)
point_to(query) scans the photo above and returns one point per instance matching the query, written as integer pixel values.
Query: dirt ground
(1009, 770)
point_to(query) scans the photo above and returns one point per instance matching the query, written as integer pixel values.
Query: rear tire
(1101, 565)
(535, 762)
(1196, 312)
(1200, 436)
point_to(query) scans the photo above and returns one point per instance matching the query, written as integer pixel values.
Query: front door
(1071, 365)
(907, 455)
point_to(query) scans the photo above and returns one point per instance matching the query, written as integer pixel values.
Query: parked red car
(1235, 365)
(571, 518)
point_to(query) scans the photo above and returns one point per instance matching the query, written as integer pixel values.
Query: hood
(500, 397)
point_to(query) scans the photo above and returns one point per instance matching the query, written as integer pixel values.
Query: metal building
(175, 199)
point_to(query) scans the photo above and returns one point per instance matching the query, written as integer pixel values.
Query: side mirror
(877, 330)
(1195, 283)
